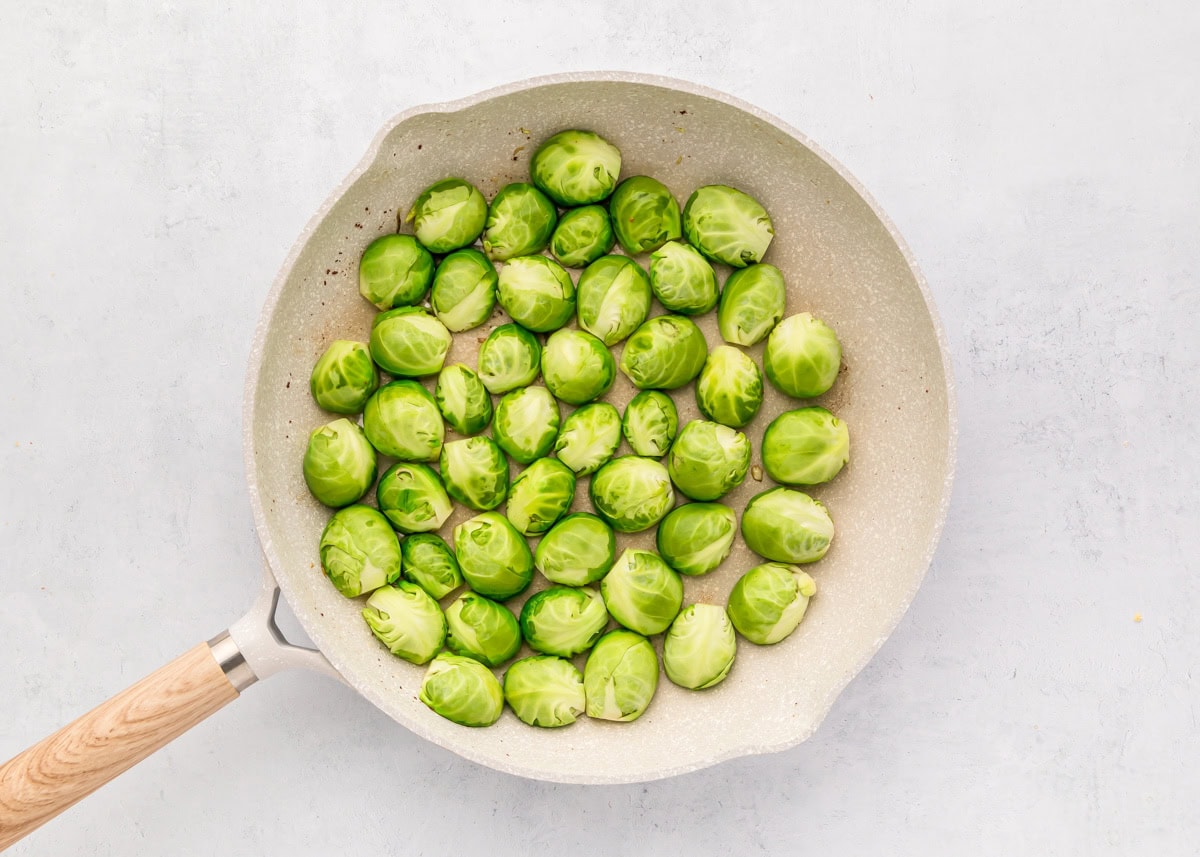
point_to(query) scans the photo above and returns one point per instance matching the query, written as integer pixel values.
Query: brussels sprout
(752, 303)
(475, 472)
(708, 460)
(448, 215)
(463, 400)
(402, 420)
(730, 387)
(642, 592)
(666, 352)
(344, 378)
(578, 550)
(462, 690)
(577, 366)
(582, 236)
(682, 279)
(494, 558)
(464, 290)
(545, 691)
(727, 225)
(769, 600)
(576, 167)
(537, 292)
(698, 651)
(563, 620)
(394, 271)
(519, 222)
(695, 538)
(787, 526)
(650, 423)
(406, 620)
(806, 446)
(526, 423)
(589, 436)
(803, 356)
(339, 463)
(614, 298)
(359, 551)
(479, 628)
(632, 493)
(408, 342)
(509, 358)
(620, 676)
(429, 563)
(644, 213)
(540, 495)
(413, 498)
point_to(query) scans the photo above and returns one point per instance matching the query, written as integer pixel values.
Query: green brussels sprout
(545, 691)
(727, 225)
(475, 472)
(666, 352)
(359, 551)
(339, 463)
(563, 620)
(695, 538)
(752, 303)
(769, 600)
(479, 628)
(402, 420)
(394, 271)
(509, 358)
(699, 648)
(526, 423)
(409, 343)
(494, 558)
(406, 620)
(589, 436)
(540, 495)
(632, 493)
(429, 563)
(576, 167)
(464, 290)
(620, 676)
(448, 215)
(708, 460)
(803, 356)
(463, 399)
(520, 221)
(582, 236)
(787, 526)
(344, 378)
(730, 387)
(682, 279)
(650, 423)
(642, 592)
(537, 292)
(577, 366)
(462, 690)
(644, 213)
(413, 498)
(578, 550)
(806, 446)
(613, 298)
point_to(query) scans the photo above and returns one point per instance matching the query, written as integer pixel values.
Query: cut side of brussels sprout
(642, 592)
(727, 225)
(339, 463)
(613, 298)
(699, 648)
(806, 446)
(430, 564)
(695, 538)
(666, 352)
(475, 472)
(644, 214)
(545, 691)
(768, 602)
(582, 236)
(344, 378)
(620, 676)
(576, 167)
(526, 423)
(537, 292)
(650, 423)
(563, 620)
(589, 436)
(359, 551)
(462, 690)
(409, 343)
(752, 303)
(708, 460)
(632, 493)
(803, 356)
(413, 498)
(682, 279)
(394, 270)
(448, 215)
(540, 495)
(509, 358)
(406, 620)
(494, 558)
(787, 526)
(730, 387)
(577, 367)
(402, 420)
(519, 223)
(578, 550)
(464, 290)
(463, 399)
(480, 628)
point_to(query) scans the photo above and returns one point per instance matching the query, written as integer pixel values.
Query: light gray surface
(1043, 163)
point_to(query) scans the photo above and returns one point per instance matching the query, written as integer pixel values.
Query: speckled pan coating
(843, 261)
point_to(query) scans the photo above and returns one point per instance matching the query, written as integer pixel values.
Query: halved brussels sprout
(463, 399)
(578, 550)
(632, 493)
(708, 460)
(462, 690)
(806, 446)
(540, 495)
(613, 298)
(545, 691)
(475, 472)
(787, 526)
(644, 213)
(448, 214)
(695, 538)
(406, 620)
(402, 420)
(413, 498)
(359, 551)
(479, 628)
(576, 167)
(589, 436)
(682, 279)
(769, 600)
(429, 563)
(582, 236)
(408, 342)
(727, 225)
(509, 358)
(730, 387)
(650, 423)
(666, 352)
(537, 292)
(699, 649)
(520, 221)
(752, 303)
(803, 356)
(620, 676)
(642, 592)
(464, 290)
(339, 463)
(394, 271)
(344, 378)
(577, 366)
(494, 558)
(526, 423)
(563, 620)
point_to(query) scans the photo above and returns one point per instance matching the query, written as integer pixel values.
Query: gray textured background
(1044, 164)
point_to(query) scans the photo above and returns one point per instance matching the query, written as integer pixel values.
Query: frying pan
(843, 261)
